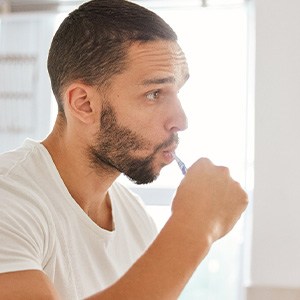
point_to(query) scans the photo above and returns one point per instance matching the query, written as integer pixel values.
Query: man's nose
(177, 120)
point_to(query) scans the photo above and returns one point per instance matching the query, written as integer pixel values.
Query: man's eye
(153, 95)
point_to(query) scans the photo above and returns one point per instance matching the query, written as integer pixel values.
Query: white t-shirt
(43, 228)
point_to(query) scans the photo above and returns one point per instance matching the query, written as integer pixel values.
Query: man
(67, 229)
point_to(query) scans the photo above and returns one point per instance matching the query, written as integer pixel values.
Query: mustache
(173, 140)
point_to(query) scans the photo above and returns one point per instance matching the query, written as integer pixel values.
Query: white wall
(275, 257)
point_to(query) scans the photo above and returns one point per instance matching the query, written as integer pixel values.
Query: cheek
(146, 122)
(122, 139)
(148, 131)
(143, 118)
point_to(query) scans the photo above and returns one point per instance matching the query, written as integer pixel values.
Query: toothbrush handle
(181, 165)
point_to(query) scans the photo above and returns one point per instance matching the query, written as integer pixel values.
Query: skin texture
(144, 101)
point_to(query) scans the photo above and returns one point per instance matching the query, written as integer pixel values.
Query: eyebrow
(159, 80)
(162, 80)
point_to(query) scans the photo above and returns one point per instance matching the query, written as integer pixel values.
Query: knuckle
(205, 160)
(224, 170)
(244, 197)
(241, 192)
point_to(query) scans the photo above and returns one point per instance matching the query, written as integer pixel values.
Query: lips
(171, 149)
(169, 154)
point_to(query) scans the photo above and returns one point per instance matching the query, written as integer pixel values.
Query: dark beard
(113, 145)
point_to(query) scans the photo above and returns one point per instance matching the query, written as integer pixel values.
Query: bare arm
(26, 285)
(207, 205)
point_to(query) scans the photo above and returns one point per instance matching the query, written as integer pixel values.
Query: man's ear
(80, 100)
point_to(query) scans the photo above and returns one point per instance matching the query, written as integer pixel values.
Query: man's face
(141, 113)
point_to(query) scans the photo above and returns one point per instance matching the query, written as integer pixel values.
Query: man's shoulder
(19, 173)
(10, 160)
(20, 192)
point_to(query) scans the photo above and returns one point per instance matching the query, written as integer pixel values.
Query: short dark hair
(91, 43)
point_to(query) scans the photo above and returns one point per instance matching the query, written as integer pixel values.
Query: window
(25, 92)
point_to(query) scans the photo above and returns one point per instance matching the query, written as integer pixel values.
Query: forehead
(157, 59)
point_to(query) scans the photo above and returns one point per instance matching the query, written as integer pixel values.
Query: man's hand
(208, 201)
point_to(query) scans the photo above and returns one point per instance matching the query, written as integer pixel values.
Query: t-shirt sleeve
(23, 232)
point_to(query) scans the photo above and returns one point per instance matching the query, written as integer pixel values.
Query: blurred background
(242, 102)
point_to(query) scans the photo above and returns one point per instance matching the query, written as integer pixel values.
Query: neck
(88, 186)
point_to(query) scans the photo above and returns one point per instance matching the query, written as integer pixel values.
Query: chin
(145, 179)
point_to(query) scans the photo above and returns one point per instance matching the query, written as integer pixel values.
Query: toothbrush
(180, 164)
